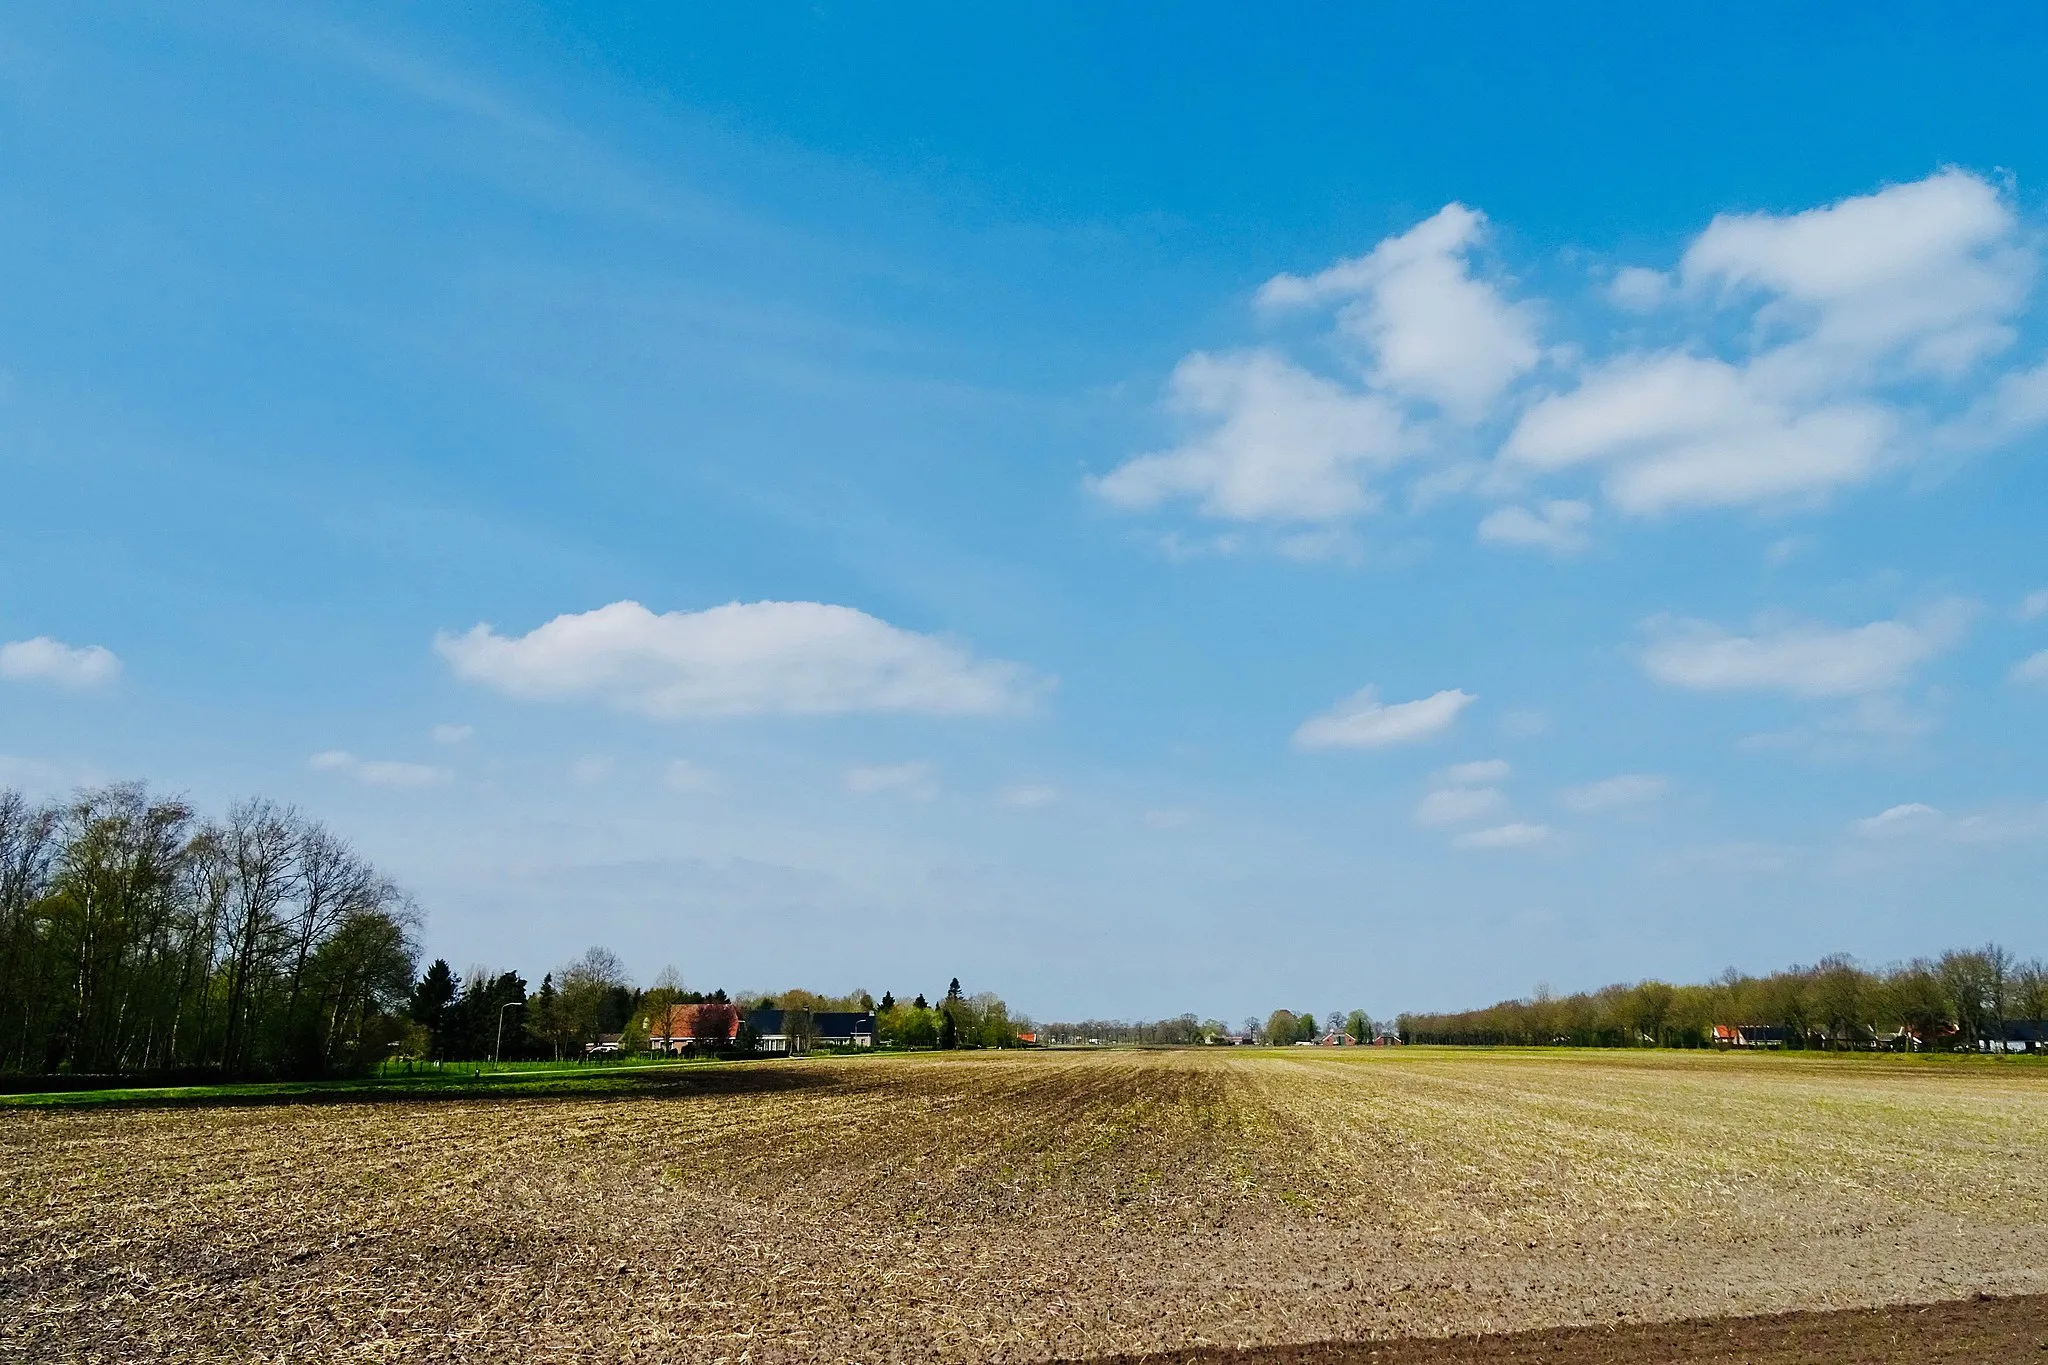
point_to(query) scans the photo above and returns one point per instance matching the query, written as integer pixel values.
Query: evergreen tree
(430, 1001)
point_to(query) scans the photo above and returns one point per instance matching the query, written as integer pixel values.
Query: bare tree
(260, 840)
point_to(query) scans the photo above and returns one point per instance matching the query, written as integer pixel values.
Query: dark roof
(824, 1023)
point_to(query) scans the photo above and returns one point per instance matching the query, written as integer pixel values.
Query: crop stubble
(1023, 1206)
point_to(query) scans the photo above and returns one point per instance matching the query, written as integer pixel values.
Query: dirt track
(1024, 1208)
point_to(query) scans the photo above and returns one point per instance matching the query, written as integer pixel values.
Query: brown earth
(1027, 1207)
(1987, 1331)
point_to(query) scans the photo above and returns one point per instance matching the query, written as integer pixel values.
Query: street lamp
(498, 1048)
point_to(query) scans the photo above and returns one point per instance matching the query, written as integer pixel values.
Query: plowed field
(1023, 1207)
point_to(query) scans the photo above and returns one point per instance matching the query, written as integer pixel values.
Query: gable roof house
(828, 1028)
(677, 1032)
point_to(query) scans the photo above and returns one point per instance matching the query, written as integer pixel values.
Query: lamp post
(498, 1048)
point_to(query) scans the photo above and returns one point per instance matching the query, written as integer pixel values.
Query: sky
(1142, 509)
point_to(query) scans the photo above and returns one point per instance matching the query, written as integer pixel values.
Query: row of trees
(138, 937)
(1964, 999)
(1279, 1029)
(492, 1015)
(957, 1021)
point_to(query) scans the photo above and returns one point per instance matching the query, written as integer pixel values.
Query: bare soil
(1977, 1331)
(1031, 1207)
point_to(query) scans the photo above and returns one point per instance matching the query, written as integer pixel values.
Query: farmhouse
(688, 1028)
(1749, 1035)
(794, 1031)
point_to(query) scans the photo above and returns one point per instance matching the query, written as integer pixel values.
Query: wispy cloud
(1802, 658)
(911, 781)
(1614, 793)
(1363, 721)
(1516, 835)
(378, 772)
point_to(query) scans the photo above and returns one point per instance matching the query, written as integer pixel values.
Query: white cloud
(911, 781)
(1871, 723)
(744, 658)
(691, 779)
(2016, 404)
(1281, 444)
(453, 734)
(1674, 430)
(1363, 721)
(1927, 272)
(1458, 805)
(1558, 526)
(1897, 820)
(1480, 772)
(1918, 820)
(2034, 604)
(378, 772)
(1806, 659)
(590, 769)
(1027, 796)
(1524, 724)
(1611, 793)
(1433, 330)
(1802, 354)
(2032, 669)
(45, 660)
(1517, 835)
(1639, 290)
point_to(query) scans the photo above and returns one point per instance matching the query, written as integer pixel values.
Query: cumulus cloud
(1279, 444)
(2034, 604)
(741, 659)
(1926, 273)
(590, 769)
(453, 734)
(1433, 330)
(2032, 669)
(1639, 289)
(1558, 526)
(44, 660)
(1800, 354)
(1803, 658)
(1458, 805)
(378, 772)
(1675, 430)
(1027, 796)
(911, 781)
(1612, 793)
(1363, 721)
(1515, 835)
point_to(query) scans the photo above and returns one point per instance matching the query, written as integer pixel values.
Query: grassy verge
(455, 1080)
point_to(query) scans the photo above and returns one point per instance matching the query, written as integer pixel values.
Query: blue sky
(1142, 512)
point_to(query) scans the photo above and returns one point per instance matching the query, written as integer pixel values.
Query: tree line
(1966, 999)
(1281, 1028)
(138, 937)
(490, 1015)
